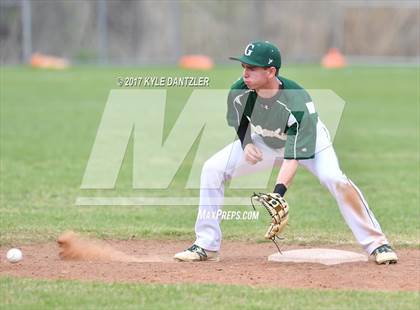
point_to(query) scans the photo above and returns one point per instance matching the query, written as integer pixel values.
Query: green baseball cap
(260, 54)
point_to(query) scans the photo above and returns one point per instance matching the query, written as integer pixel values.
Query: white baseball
(14, 255)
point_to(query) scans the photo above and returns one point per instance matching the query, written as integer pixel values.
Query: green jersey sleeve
(236, 103)
(301, 127)
(238, 108)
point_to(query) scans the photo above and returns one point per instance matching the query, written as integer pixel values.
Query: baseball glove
(278, 209)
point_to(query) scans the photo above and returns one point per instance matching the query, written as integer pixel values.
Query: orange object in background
(199, 62)
(333, 59)
(48, 62)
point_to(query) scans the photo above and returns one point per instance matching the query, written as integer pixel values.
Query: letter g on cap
(249, 49)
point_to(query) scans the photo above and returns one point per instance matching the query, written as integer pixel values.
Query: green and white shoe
(385, 255)
(196, 254)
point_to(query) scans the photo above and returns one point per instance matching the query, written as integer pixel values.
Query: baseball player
(276, 123)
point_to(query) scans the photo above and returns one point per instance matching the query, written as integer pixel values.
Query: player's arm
(236, 117)
(244, 132)
(300, 144)
(251, 152)
(287, 172)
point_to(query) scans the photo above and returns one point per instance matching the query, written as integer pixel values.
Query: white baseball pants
(230, 163)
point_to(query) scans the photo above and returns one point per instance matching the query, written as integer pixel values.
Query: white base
(319, 256)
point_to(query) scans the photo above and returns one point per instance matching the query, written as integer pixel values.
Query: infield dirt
(242, 263)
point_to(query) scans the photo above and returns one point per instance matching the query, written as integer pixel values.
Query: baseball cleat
(385, 255)
(196, 254)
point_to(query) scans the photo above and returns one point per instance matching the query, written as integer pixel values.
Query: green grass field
(77, 295)
(48, 125)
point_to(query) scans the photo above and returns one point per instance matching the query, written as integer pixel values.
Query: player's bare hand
(252, 154)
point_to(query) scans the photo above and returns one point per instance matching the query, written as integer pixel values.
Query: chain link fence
(159, 32)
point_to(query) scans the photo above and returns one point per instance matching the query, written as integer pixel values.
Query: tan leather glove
(278, 209)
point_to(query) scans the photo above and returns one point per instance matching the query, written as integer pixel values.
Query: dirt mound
(150, 261)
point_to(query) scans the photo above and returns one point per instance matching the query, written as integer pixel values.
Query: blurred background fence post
(102, 31)
(26, 30)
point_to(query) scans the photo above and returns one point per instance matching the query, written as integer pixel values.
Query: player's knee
(211, 175)
(208, 166)
(211, 168)
(330, 179)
